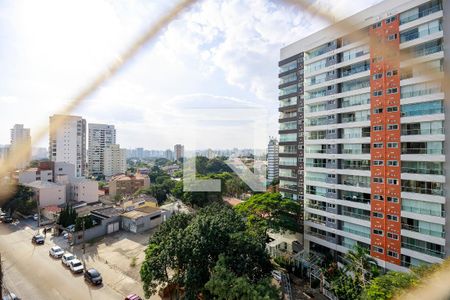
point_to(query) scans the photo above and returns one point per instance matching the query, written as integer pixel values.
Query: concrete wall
(50, 195)
(143, 223)
(85, 190)
(94, 232)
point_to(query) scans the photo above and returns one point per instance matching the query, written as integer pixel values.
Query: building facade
(68, 141)
(178, 151)
(21, 139)
(100, 136)
(272, 160)
(123, 185)
(372, 93)
(115, 161)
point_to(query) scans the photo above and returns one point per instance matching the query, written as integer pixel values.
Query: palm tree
(361, 264)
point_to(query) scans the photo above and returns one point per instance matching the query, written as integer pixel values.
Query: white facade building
(272, 160)
(34, 174)
(48, 193)
(68, 141)
(114, 161)
(21, 139)
(100, 136)
(82, 189)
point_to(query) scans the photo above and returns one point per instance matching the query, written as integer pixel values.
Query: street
(31, 273)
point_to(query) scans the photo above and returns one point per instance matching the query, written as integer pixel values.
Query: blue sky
(218, 55)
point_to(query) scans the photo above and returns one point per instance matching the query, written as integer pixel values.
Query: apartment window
(378, 232)
(391, 73)
(377, 110)
(392, 236)
(390, 19)
(378, 180)
(378, 145)
(391, 91)
(378, 197)
(392, 163)
(376, 25)
(392, 218)
(378, 163)
(377, 128)
(392, 145)
(377, 76)
(378, 215)
(392, 199)
(392, 37)
(392, 253)
(392, 109)
(377, 59)
(378, 249)
(377, 93)
(392, 181)
(331, 220)
(392, 127)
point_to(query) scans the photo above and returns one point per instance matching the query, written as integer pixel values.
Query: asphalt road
(32, 274)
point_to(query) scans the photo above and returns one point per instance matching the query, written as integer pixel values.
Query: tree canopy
(67, 216)
(21, 200)
(270, 211)
(186, 249)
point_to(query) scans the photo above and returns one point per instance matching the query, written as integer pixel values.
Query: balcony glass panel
(316, 107)
(316, 162)
(288, 78)
(423, 167)
(314, 176)
(354, 53)
(356, 68)
(288, 102)
(422, 148)
(420, 109)
(425, 49)
(355, 197)
(356, 164)
(361, 99)
(356, 148)
(423, 208)
(316, 66)
(289, 90)
(357, 116)
(353, 180)
(316, 135)
(289, 185)
(291, 149)
(356, 213)
(288, 137)
(316, 190)
(287, 173)
(316, 121)
(421, 31)
(356, 229)
(422, 187)
(316, 79)
(420, 89)
(316, 94)
(421, 11)
(355, 85)
(288, 161)
(288, 125)
(286, 115)
(288, 66)
(423, 128)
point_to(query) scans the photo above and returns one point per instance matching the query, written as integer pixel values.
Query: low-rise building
(48, 193)
(82, 189)
(34, 174)
(127, 185)
(142, 219)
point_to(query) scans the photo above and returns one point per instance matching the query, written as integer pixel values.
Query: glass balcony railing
(406, 37)
(357, 232)
(421, 112)
(355, 183)
(420, 92)
(425, 191)
(424, 250)
(355, 198)
(355, 70)
(422, 151)
(423, 211)
(356, 151)
(315, 220)
(427, 51)
(351, 119)
(316, 165)
(423, 131)
(356, 215)
(355, 135)
(423, 171)
(308, 150)
(421, 14)
(423, 230)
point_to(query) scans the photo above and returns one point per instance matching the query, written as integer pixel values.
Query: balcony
(422, 171)
(421, 13)
(420, 93)
(350, 119)
(354, 198)
(421, 112)
(424, 131)
(424, 190)
(356, 215)
(430, 232)
(431, 252)
(437, 151)
(415, 34)
(423, 211)
(427, 51)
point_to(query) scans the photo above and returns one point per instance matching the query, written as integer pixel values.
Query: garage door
(113, 227)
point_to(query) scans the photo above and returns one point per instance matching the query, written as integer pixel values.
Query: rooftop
(141, 212)
(107, 212)
(43, 184)
(120, 177)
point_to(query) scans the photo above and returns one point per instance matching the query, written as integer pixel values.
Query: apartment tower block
(362, 133)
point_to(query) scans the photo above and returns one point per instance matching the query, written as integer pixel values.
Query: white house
(48, 193)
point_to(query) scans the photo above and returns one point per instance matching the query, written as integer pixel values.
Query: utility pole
(84, 240)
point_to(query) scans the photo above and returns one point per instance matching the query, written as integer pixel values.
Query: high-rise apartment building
(21, 139)
(272, 160)
(372, 92)
(115, 160)
(178, 151)
(67, 141)
(99, 137)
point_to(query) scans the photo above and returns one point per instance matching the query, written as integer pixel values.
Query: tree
(217, 165)
(20, 200)
(67, 216)
(88, 223)
(346, 287)
(361, 264)
(227, 285)
(188, 247)
(270, 211)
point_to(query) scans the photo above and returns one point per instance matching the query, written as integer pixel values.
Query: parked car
(277, 275)
(56, 252)
(133, 297)
(67, 258)
(76, 266)
(38, 239)
(93, 276)
(35, 217)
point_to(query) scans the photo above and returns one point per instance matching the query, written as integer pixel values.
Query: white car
(76, 266)
(56, 252)
(67, 258)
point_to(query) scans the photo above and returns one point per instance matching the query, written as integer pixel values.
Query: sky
(209, 80)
